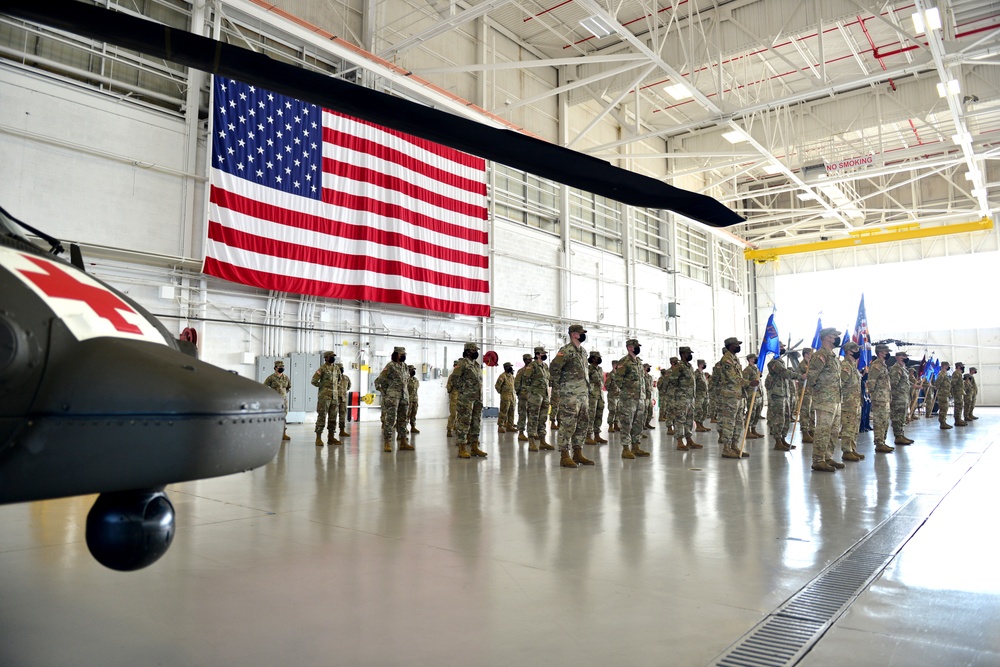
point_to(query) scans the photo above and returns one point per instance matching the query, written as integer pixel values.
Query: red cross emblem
(57, 283)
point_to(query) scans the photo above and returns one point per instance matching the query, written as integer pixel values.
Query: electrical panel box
(301, 366)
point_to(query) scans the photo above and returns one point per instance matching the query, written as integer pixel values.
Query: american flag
(862, 337)
(309, 201)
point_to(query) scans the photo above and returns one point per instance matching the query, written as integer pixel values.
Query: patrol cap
(540, 350)
(327, 353)
(901, 353)
(684, 349)
(663, 371)
(972, 368)
(399, 350)
(279, 363)
(506, 364)
(959, 364)
(411, 368)
(631, 342)
(454, 363)
(674, 360)
(881, 348)
(828, 331)
(472, 346)
(850, 346)
(595, 353)
(702, 361)
(732, 340)
(646, 366)
(577, 328)
(751, 355)
(526, 357)
(807, 349)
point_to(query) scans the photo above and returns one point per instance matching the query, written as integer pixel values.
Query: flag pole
(916, 398)
(798, 409)
(746, 424)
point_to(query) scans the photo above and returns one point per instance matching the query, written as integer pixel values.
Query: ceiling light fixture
(597, 26)
(931, 18)
(948, 88)
(734, 136)
(678, 91)
(772, 169)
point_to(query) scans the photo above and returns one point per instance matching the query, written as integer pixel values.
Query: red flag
(309, 201)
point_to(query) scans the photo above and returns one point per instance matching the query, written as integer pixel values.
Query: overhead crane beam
(862, 237)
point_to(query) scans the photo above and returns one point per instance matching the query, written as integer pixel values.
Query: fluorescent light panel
(948, 88)
(772, 169)
(678, 91)
(597, 26)
(734, 136)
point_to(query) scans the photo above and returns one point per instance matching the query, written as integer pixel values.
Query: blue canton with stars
(267, 138)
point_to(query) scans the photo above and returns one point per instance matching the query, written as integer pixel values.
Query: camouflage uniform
(663, 394)
(680, 380)
(713, 393)
(281, 383)
(554, 408)
(505, 387)
(345, 387)
(535, 383)
(614, 391)
(824, 378)
(730, 392)
(522, 398)
(880, 390)
(570, 378)
(700, 396)
(750, 373)
(631, 402)
(850, 406)
(449, 387)
(394, 384)
(958, 393)
(469, 411)
(327, 378)
(942, 389)
(807, 420)
(971, 392)
(413, 390)
(899, 391)
(777, 385)
(596, 399)
(650, 386)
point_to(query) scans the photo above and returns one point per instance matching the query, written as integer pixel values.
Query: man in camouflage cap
(413, 390)
(731, 385)
(632, 400)
(469, 409)
(342, 391)
(700, 397)
(522, 399)
(596, 412)
(505, 387)
(850, 403)
(327, 380)
(680, 381)
(647, 377)
(942, 392)
(971, 393)
(394, 383)
(881, 394)
(803, 396)
(899, 390)
(614, 390)
(824, 379)
(778, 410)
(570, 377)
(750, 373)
(958, 393)
(281, 383)
(662, 393)
(449, 387)
(535, 384)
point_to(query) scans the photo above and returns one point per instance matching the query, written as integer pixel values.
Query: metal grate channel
(773, 643)
(828, 593)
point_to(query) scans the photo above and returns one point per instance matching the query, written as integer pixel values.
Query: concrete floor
(349, 556)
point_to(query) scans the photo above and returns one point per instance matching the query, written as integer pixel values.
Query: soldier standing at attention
(662, 389)
(449, 387)
(632, 400)
(958, 393)
(650, 386)
(596, 398)
(536, 386)
(522, 399)
(750, 373)
(731, 384)
(824, 378)
(807, 420)
(281, 383)
(505, 387)
(681, 382)
(469, 408)
(777, 385)
(413, 389)
(700, 398)
(881, 392)
(614, 390)
(850, 403)
(942, 390)
(394, 383)
(327, 378)
(554, 409)
(342, 390)
(570, 377)
(899, 390)
(971, 394)
(713, 393)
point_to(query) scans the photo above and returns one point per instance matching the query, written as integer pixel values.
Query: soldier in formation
(413, 389)
(327, 380)
(570, 379)
(342, 391)
(449, 387)
(596, 398)
(661, 391)
(752, 396)
(804, 400)
(681, 383)
(393, 383)
(281, 383)
(535, 383)
(730, 392)
(823, 377)
(779, 380)
(505, 387)
(713, 393)
(647, 377)
(880, 389)
(942, 391)
(700, 398)
(958, 393)
(469, 405)
(614, 390)
(522, 399)
(850, 403)
(632, 400)
(972, 392)
(899, 390)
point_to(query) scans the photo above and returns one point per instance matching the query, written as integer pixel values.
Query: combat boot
(807, 439)
(284, 435)
(580, 459)
(475, 451)
(754, 434)
(836, 464)
(532, 445)
(627, 452)
(554, 426)
(790, 445)
(901, 440)
(714, 421)
(414, 429)
(781, 447)
(958, 423)
(343, 433)
(501, 429)
(744, 454)
(590, 441)
(849, 456)
(692, 444)
(700, 428)
(945, 426)
(681, 446)
(463, 451)
(823, 466)
(332, 440)
(599, 440)
(544, 445)
(319, 439)
(861, 457)
(521, 437)
(884, 449)
(404, 445)
(638, 451)
(730, 453)
(387, 444)
(566, 460)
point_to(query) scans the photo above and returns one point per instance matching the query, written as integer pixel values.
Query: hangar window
(525, 199)
(595, 220)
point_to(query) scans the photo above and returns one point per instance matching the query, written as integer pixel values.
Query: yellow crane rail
(860, 237)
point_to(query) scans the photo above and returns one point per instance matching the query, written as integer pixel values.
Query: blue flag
(769, 344)
(817, 340)
(847, 337)
(862, 337)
